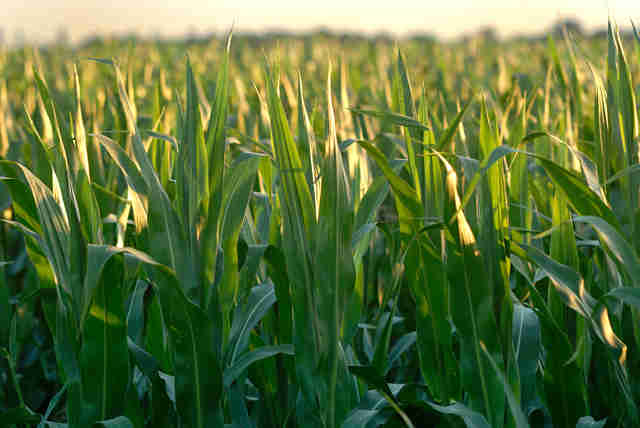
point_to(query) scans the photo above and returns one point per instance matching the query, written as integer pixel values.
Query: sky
(43, 20)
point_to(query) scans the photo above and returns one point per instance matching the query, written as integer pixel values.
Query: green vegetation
(321, 232)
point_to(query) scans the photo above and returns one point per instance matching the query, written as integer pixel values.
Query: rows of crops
(321, 232)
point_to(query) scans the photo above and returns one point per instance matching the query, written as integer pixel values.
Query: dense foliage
(322, 232)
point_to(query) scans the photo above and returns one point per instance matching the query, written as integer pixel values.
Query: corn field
(321, 231)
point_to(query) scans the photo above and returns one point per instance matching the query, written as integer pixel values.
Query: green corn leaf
(409, 208)
(198, 373)
(261, 299)
(56, 233)
(616, 244)
(520, 419)
(628, 295)
(52, 405)
(471, 419)
(402, 345)
(18, 415)
(395, 118)
(241, 363)
(446, 138)
(135, 311)
(161, 404)
(370, 375)
(103, 356)
(215, 147)
(589, 422)
(307, 140)
(138, 189)
(117, 422)
(383, 341)
(361, 418)
(239, 412)
(528, 352)
(191, 168)
(582, 199)
(239, 183)
(98, 256)
(22, 200)
(371, 201)
(426, 274)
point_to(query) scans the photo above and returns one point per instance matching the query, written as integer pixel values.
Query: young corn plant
(317, 236)
(82, 280)
(200, 230)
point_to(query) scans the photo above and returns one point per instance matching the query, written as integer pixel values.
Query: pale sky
(41, 20)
